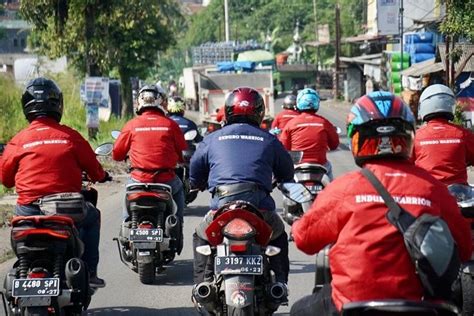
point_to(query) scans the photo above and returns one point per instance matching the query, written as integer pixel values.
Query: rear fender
(145, 255)
(239, 290)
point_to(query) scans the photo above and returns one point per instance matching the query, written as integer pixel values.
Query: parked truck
(208, 88)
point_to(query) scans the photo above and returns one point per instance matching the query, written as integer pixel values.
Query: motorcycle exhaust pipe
(205, 293)
(278, 291)
(171, 226)
(75, 272)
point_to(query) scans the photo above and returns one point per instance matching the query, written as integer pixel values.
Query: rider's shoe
(95, 281)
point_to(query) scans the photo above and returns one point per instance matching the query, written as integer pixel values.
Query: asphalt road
(171, 292)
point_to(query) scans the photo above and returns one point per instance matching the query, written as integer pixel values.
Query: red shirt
(445, 150)
(369, 260)
(312, 134)
(153, 141)
(47, 158)
(282, 118)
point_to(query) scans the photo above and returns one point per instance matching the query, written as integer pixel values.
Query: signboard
(387, 17)
(323, 34)
(96, 90)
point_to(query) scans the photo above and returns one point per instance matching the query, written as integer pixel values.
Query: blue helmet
(307, 99)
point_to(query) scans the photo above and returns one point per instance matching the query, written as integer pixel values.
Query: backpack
(429, 242)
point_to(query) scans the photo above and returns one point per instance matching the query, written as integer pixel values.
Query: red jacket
(47, 158)
(368, 259)
(282, 118)
(445, 150)
(312, 134)
(153, 141)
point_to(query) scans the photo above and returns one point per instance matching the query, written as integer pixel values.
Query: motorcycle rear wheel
(467, 284)
(146, 272)
(235, 311)
(36, 311)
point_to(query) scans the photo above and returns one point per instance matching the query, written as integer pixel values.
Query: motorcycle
(182, 169)
(465, 198)
(151, 237)
(243, 283)
(313, 177)
(49, 278)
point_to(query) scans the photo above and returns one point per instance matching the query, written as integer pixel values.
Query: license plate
(155, 234)
(315, 188)
(250, 264)
(35, 287)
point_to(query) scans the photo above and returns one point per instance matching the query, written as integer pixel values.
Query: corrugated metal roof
(467, 53)
(423, 68)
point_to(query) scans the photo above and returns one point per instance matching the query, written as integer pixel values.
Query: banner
(92, 115)
(387, 17)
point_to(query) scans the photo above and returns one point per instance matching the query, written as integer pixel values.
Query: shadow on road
(141, 311)
(180, 272)
(195, 211)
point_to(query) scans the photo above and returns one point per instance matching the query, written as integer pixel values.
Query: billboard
(387, 17)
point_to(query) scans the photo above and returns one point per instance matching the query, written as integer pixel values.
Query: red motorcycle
(243, 283)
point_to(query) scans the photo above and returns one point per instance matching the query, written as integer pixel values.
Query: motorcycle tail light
(239, 229)
(37, 275)
(238, 247)
(264, 125)
(309, 183)
(145, 226)
(56, 233)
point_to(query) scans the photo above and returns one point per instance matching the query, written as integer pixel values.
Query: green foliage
(11, 113)
(459, 114)
(459, 20)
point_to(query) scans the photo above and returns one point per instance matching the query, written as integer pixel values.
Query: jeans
(178, 196)
(315, 304)
(328, 167)
(89, 230)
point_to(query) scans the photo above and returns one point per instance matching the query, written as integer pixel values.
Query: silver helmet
(437, 99)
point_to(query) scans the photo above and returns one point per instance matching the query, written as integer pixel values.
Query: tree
(101, 36)
(459, 19)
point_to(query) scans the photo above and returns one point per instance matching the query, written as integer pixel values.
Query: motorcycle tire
(36, 311)
(146, 272)
(235, 311)
(467, 283)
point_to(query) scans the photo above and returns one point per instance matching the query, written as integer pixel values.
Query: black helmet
(290, 102)
(42, 97)
(244, 105)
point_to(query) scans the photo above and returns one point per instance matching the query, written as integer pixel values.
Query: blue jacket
(239, 153)
(186, 125)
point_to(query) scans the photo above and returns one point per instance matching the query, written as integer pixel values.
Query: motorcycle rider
(350, 214)
(154, 144)
(47, 158)
(289, 112)
(441, 147)
(310, 132)
(236, 163)
(176, 109)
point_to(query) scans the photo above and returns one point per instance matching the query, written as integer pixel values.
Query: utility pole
(316, 37)
(226, 20)
(338, 49)
(400, 16)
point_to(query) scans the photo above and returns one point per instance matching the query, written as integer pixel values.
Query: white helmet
(149, 97)
(437, 100)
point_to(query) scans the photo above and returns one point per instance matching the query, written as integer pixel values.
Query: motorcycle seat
(398, 307)
(308, 167)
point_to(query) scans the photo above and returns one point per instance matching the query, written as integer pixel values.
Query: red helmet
(244, 105)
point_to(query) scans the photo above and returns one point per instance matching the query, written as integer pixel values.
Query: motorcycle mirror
(104, 149)
(204, 250)
(2, 148)
(271, 251)
(115, 134)
(338, 130)
(190, 135)
(296, 156)
(296, 192)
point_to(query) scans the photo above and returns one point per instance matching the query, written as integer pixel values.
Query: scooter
(313, 177)
(49, 278)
